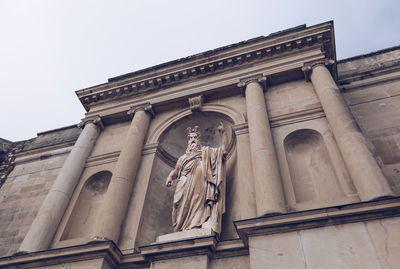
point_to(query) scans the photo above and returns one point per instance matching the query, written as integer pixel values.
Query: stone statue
(199, 199)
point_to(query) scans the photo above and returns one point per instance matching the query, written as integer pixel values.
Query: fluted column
(267, 181)
(111, 216)
(54, 205)
(363, 168)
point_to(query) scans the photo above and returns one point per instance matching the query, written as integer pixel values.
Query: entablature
(282, 53)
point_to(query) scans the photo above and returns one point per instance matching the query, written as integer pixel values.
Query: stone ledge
(65, 255)
(309, 219)
(192, 247)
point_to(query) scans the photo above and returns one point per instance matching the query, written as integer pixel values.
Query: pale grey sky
(49, 49)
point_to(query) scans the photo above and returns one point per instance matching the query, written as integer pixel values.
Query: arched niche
(311, 170)
(157, 210)
(87, 206)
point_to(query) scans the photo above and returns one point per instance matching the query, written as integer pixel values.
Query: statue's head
(193, 135)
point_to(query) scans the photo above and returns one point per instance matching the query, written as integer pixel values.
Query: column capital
(95, 120)
(257, 78)
(309, 66)
(145, 107)
(261, 79)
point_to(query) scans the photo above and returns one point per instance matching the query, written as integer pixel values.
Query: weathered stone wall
(371, 88)
(8, 150)
(239, 262)
(36, 168)
(372, 244)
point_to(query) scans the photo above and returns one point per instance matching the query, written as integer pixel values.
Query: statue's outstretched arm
(224, 136)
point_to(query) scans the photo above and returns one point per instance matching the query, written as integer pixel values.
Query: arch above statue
(230, 114)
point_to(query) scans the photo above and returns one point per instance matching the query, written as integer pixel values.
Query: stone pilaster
(362, 166)
(112, 214)
(267, 181)
(53, 207)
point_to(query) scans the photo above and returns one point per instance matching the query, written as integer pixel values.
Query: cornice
(227, 80)
(265, 49)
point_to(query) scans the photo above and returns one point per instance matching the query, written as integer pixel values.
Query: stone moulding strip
(297, 116)
(102, 159)
(109, 251)
(108, 91)
(309, 219)
(372, 78)
(150, 148)
(231, 248)
(95, 250)
(240, 129)
(45, 154)
(195, 246)
(178, 249)
(113, 156)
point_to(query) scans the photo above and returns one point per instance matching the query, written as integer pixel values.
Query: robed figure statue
(199, 199)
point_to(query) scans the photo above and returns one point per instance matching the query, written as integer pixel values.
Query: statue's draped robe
(199, 199)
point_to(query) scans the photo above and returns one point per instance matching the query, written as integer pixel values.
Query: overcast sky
(50, 49)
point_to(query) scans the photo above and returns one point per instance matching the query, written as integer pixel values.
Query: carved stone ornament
(196, 102)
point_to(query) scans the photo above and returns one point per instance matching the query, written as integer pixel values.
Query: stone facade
(312, 169)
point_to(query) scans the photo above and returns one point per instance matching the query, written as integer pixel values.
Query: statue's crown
(193, 130)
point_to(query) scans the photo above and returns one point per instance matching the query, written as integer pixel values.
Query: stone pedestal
(363, 168)
(195, 243)
(190, 234)
(53, 207)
